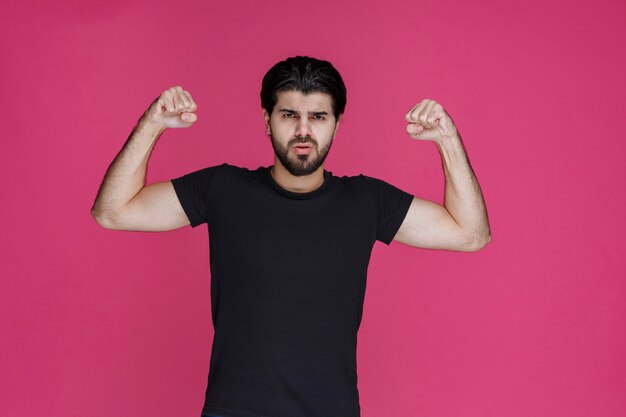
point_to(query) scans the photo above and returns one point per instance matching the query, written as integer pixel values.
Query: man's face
(302, 128)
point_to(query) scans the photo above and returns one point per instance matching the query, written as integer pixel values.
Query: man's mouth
(303, 148)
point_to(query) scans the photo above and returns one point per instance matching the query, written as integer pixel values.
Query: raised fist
(429, 121)
(173, 108)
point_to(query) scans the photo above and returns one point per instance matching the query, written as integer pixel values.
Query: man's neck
(301, 184)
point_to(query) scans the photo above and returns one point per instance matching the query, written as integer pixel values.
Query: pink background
(104, 323)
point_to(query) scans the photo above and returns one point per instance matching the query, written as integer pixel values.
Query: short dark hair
(305, 74)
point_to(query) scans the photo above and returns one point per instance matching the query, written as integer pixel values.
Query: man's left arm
(462, 223)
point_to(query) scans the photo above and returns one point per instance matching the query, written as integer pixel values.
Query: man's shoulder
(232, 168)
(242, 170)
(218, 173)
(363, 179)
(368, 183)
(356, 179)
(229, 174)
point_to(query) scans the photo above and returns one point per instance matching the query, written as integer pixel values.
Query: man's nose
(303, 128)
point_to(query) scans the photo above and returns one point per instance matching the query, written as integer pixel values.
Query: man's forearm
(463, 197)
(126, 175)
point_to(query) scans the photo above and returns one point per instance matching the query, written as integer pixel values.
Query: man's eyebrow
(315, 113)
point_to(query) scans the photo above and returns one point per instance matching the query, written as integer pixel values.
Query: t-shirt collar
(298, 196)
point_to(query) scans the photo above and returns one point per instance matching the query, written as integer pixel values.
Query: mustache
(302, 139)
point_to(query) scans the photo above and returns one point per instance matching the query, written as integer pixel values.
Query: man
(290, 244)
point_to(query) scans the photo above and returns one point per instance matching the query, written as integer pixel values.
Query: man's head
(303, 100)
(305, 74)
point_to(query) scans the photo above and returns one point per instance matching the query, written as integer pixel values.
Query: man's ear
(266, 119)
(339, 119)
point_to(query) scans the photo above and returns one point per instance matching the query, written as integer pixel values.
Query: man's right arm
(124, 202)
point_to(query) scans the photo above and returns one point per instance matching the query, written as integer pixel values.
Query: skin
(461, 223)
(125, 202)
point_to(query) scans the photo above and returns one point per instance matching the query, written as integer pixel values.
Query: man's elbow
(479, 242)
(103, 219)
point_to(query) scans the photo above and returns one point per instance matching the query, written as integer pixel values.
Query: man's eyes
(293, 115)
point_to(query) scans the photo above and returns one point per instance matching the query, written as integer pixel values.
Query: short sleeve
(194, 193)
(392, 205)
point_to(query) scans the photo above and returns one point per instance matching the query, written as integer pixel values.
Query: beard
(299, 165)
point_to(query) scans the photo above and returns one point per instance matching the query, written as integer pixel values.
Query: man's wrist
(450, 142)
(451, 149)
(150, 126)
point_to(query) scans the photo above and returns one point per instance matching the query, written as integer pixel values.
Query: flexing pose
(290, 243)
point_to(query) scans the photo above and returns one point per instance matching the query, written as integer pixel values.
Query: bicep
(429, 225)
(155, 208)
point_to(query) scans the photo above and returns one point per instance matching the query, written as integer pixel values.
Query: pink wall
(103, 323)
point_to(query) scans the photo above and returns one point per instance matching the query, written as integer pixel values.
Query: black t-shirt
(288, 275)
